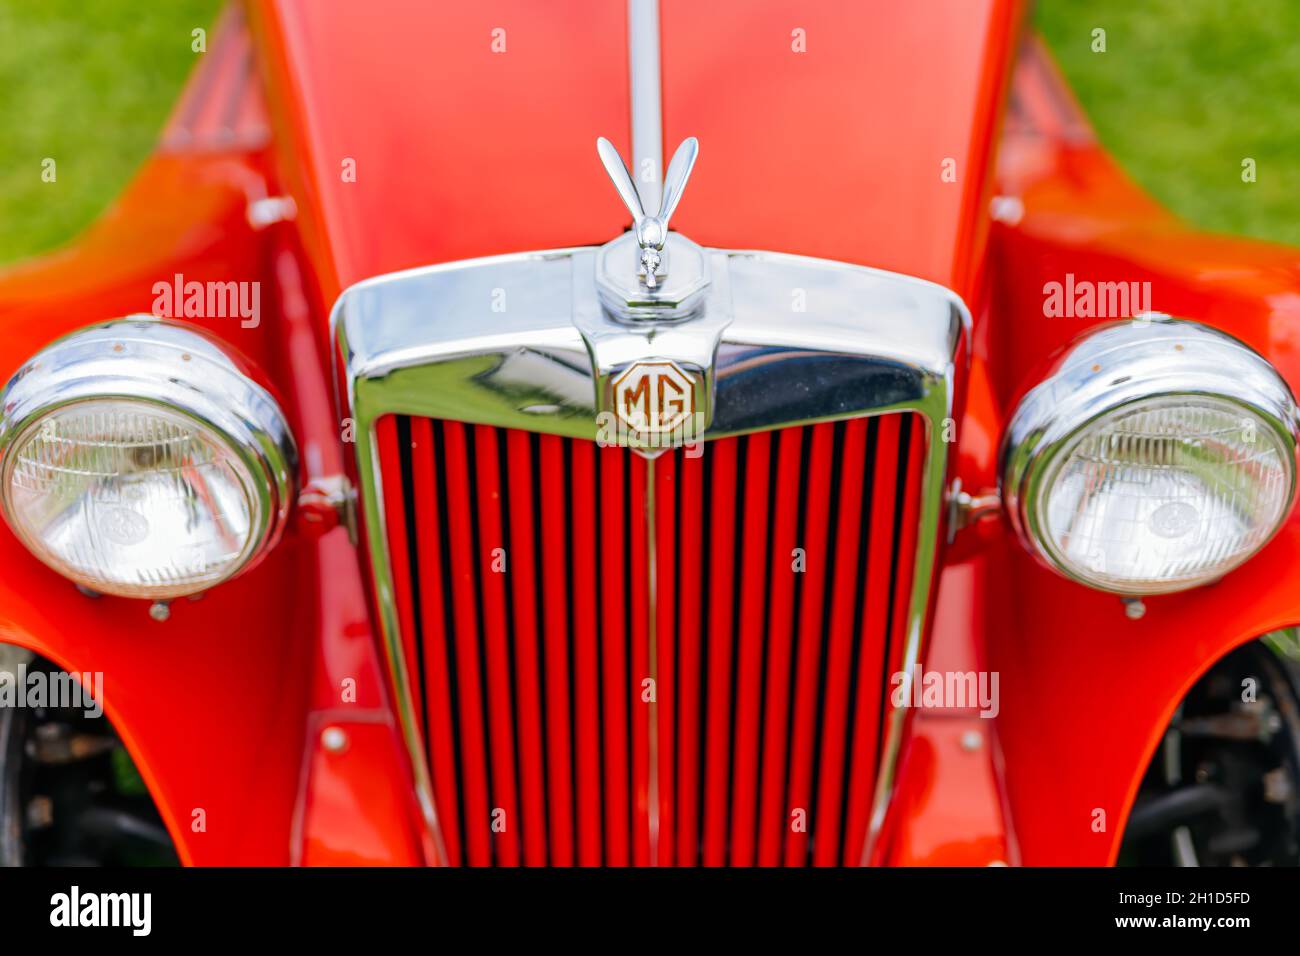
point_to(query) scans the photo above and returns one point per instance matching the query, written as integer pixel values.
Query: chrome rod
(647, 114)
(647, 173)
(652, 645)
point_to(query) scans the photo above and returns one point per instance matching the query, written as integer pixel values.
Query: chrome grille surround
(521, 342)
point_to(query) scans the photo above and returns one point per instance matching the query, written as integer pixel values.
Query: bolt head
(334, 739)
(1134, 609)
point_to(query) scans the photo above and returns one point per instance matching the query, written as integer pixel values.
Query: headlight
(139, 460)
(1157, 456)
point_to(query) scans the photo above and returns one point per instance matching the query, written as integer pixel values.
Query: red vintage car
(887, 480)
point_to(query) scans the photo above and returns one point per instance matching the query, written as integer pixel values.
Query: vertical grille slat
(638, 605)
(555, 624)
(691, 574)
(586, 685)
(462, 555)
(753, 558)
(764, 585)
(522, 572)
(613, 600)
(664, 652)
(492, 563)
(437, 681)
(772, 819)
(717, 638)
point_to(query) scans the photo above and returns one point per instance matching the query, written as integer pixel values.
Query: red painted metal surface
(439, 174)
(320, 116)
(356, 817)
(865, 187)
(947, 808)
(243, 673)
(438, 178)
(416, 58)
(1067, 655)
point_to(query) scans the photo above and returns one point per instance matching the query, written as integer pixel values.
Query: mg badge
(654, 397)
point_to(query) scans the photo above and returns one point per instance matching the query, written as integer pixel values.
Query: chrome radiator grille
(677, 661)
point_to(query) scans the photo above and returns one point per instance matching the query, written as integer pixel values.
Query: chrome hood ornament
(652, 333)
(651, 231)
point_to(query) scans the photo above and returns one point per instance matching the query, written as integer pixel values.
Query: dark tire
(1223, 788)
(69, 794)
(13, 732)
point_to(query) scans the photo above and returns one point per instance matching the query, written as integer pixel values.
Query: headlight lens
(131, 499)
(140, 461)
(1158, 456)
(1165, 493)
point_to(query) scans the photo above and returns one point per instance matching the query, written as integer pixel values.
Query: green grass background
(88, 83)
(1185, 90)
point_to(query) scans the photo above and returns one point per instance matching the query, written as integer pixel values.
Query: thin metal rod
(647, 173)
(647, 114)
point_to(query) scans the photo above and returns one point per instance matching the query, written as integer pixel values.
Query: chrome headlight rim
(179, 370)
(1119, 366)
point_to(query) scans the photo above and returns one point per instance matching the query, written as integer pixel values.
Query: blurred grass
(88, 83)
(1185, 91)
